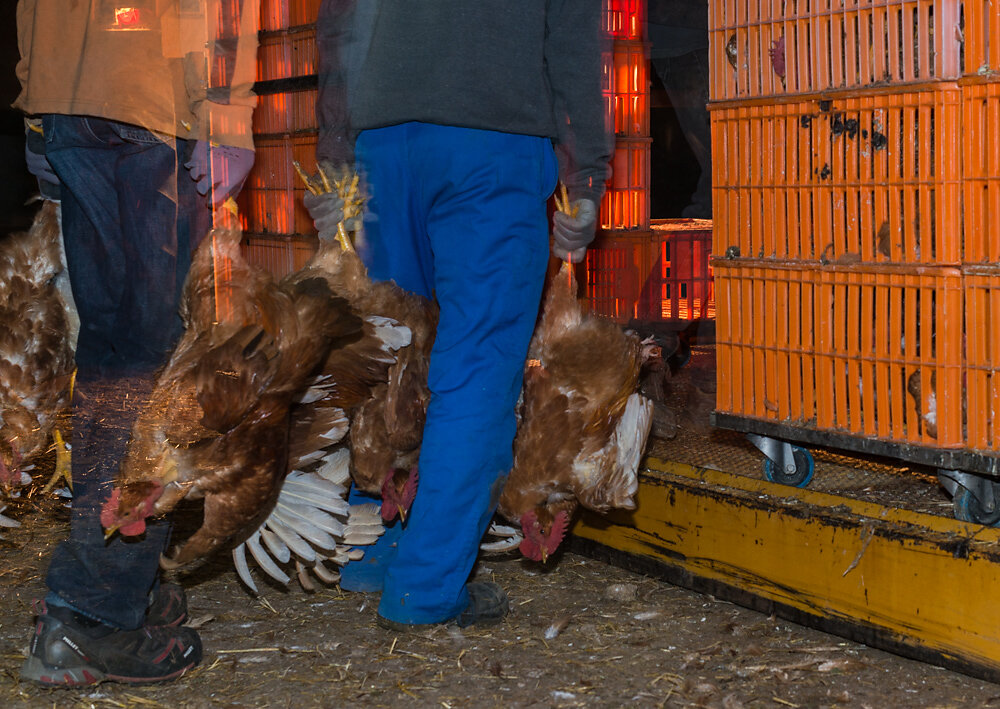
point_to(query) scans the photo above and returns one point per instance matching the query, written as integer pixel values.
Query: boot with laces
(71, 650)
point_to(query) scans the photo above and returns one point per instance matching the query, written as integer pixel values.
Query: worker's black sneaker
(168, 606)
(70, 650)
(488, 605)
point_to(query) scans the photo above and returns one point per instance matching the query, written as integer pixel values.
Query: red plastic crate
(656, 276)
(625, 205)
(679, 286)
(771, 48)
(271, 201)
(617, 267)
(842, 349)
(625, 19)
(870, 178)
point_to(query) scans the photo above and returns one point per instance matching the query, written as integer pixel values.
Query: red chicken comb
(398, 499)
(109, 510)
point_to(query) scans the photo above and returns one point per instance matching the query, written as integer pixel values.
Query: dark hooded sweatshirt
(531, 67)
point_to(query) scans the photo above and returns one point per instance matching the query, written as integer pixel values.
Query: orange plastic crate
(626, 203)
(629, 90)
(776, 47)
(839, 349)
(981, 171)
(982, 355)
(625, 19)
(271, 201)
(278, 256)
(292, 112)
(286, 53)
(869, 178)
(981, 33)
(282, 14)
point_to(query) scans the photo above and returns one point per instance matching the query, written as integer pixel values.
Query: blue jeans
(458, 215)
(131, 218)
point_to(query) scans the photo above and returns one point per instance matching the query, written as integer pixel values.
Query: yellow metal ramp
(904, 580)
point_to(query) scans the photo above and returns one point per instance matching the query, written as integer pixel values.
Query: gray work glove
(572, 234)
(327, 211)
(219, 170)
(34, 155)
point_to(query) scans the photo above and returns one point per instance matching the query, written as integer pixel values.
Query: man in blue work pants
(458, 214)
(459, 116)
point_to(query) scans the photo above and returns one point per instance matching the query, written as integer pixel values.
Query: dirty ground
(581, 633)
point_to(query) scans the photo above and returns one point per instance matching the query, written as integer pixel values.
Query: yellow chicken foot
(63, 463)
(305, 178)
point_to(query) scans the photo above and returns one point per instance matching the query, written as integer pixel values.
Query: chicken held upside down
(217, 424)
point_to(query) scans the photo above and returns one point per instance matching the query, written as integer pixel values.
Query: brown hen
(38, 327)
(582, 422)
(217, 425)
(387, 419)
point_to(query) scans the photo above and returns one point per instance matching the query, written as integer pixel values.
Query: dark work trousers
(130, 219)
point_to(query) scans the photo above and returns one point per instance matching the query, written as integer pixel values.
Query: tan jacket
(145, 62)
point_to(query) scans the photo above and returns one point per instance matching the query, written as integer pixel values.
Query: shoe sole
(34, 670)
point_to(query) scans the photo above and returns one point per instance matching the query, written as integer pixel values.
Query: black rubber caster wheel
(968, 508)
(803, 469)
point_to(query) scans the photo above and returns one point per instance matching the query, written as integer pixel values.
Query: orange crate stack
(279, 233)
(853, 252)
(860, 351)
(768, 49)
(618, 261)
(871, 178)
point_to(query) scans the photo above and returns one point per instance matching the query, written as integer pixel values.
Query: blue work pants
(458, 215)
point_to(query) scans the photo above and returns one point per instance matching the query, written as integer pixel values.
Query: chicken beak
(109, 532)
(402, 514)
(545, 555)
